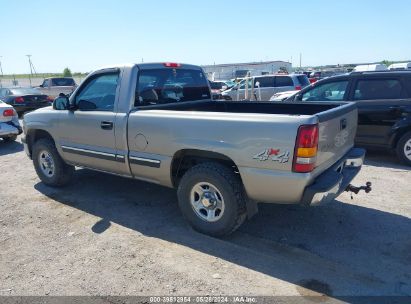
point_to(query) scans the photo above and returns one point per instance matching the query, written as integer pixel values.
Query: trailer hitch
(353, 189)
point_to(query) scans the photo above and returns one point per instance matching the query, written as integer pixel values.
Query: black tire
(10, 138)
(62, 172)
(229, 186)
(404, 149)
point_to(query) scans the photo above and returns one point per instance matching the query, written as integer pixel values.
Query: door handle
(106, 125)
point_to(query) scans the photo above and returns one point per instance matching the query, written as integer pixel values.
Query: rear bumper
(30, 107)
(9, 128)
(335, 180)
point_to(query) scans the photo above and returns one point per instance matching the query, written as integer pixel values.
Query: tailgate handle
(343, 124)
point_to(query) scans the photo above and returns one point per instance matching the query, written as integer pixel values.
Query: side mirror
(85, 105)
(61, 103)
(40, 86)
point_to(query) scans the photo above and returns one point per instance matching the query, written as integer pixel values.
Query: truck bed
(248, 107)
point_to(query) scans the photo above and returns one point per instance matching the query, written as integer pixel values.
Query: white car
(9, 122)
(281, 96)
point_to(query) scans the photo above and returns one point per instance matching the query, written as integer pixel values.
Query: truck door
(379, 101)
(87, 134)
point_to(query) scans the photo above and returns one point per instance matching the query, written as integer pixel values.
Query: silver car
(264, 87)
(9, 123)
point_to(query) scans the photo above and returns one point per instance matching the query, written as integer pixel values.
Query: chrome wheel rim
(46, 163)
(407, 149)
(207, 202)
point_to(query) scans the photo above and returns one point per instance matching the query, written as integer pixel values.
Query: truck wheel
(50, 167)
(404, 148)
(10, 138)
(211, 197)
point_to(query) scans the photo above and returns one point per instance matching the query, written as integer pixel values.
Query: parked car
(281, 96)
(9, 123)
(370, 68)
(53, 86)
(384, 105)
(25, 99)
(266, 86)
(400, 66)
(221, 85)
(222, 157)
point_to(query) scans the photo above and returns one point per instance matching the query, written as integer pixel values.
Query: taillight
(19, 100)
(172, 65)
(298, 88)
(8, 113)
(306, 146)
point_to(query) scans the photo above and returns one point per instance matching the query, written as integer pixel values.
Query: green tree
(67, 73)
(387, 62)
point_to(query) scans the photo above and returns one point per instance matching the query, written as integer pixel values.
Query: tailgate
(337, 129)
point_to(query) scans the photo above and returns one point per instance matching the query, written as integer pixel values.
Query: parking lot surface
(107, 235)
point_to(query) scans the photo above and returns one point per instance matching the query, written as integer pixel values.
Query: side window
(374, 89)
(265, 82)
(100, 92)
(45, 83)
(332, 91)
(283, 81)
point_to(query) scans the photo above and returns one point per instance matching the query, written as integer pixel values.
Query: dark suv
(384, 106)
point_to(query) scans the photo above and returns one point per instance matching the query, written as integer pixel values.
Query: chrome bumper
(335, 180)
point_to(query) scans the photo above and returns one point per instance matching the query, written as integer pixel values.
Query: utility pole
(31, 71)
(31, 68)
(1, 71)
(301, 60)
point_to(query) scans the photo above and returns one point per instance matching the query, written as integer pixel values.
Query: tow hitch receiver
(353, 189)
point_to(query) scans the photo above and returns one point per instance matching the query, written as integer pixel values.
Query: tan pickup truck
(157, 123)
(53, 86)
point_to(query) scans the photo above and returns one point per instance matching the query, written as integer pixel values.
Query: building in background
(240, 70)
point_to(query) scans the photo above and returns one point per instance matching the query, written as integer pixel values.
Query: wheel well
(399, 135)
(183, 160)
(35, 135)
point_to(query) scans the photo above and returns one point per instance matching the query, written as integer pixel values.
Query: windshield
(159, 86)
(25, 91)
(62, 82)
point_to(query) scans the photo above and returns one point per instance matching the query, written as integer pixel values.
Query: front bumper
(335, 180)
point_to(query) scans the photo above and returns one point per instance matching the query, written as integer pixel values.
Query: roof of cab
(162, 65)
(148, 65)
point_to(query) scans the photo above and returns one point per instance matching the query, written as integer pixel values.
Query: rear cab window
(376, 89)
(62, 82)
(170, 85)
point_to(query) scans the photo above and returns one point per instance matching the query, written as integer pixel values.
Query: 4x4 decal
(274, 155)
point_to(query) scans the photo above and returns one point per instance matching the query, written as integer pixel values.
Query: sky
(85, 35)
